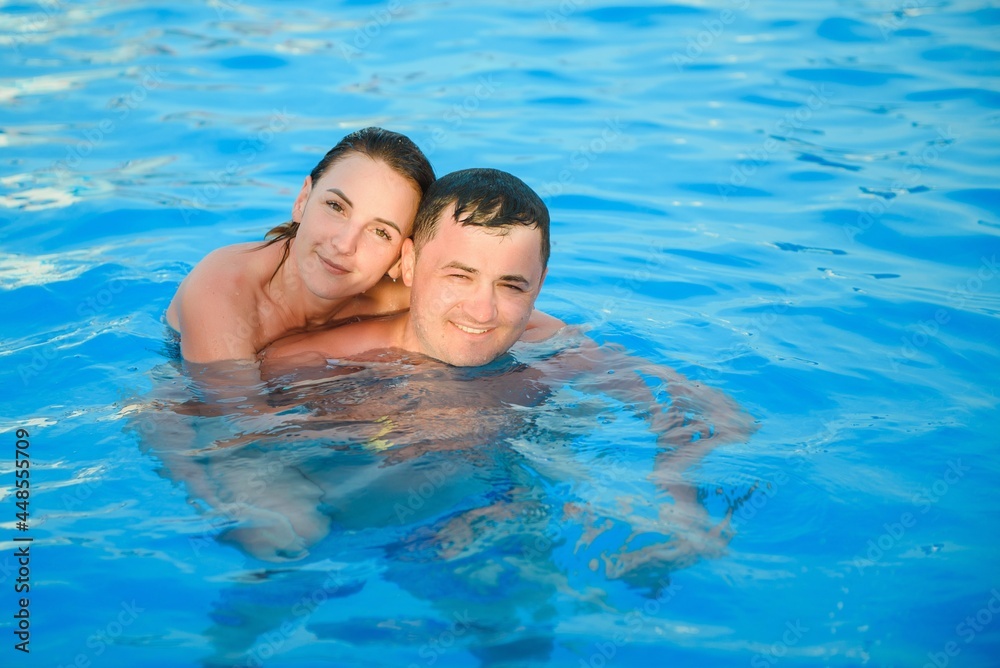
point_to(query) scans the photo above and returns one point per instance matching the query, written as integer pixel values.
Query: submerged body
(397, 407)
(483, 486)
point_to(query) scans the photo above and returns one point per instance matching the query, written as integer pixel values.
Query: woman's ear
(407, 258)
(300, 201)
(396, 270)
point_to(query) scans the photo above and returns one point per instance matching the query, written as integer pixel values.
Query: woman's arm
(541, 326)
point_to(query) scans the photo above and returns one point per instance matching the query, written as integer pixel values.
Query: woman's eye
(336, 206)
(384, 234)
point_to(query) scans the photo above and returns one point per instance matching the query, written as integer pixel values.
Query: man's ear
(300, 201)
(407, 258)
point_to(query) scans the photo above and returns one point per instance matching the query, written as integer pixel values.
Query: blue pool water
(795, 204)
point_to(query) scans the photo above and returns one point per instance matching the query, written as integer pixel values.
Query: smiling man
(475, 266)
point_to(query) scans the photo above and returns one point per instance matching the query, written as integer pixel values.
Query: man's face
(472, 290)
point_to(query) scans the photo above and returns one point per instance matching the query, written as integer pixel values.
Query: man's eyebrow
(463, 267)
(344, 197)
(515, 278)
(507, 278)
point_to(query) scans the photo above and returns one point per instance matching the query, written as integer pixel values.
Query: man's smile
(471, 330)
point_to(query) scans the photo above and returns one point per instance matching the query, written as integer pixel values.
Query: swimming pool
(795, 204)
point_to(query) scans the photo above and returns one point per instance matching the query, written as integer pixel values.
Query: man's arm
(689, 419)
(690, 414)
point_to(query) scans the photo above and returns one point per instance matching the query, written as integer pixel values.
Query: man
(475, 266)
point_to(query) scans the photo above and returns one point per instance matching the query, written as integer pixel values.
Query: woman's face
(352, 223)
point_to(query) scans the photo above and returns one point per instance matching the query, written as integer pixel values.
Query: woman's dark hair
(392, 148)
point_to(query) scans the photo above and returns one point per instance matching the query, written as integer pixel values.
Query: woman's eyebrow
(340, 192)
(390, 224)
(344, 197)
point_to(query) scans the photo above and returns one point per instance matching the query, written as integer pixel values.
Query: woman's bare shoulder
(223, 286)
(233, 259)
(237, 268)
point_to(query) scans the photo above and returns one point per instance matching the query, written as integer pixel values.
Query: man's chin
(470, 358)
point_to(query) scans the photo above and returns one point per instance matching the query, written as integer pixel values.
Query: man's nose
(481, 304)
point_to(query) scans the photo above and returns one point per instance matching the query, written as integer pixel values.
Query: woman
(326, 265)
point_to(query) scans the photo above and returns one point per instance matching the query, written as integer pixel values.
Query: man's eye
(514, 287)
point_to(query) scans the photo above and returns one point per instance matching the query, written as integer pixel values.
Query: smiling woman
(326, 265)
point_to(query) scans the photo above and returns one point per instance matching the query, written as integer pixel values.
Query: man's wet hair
(488, 198)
